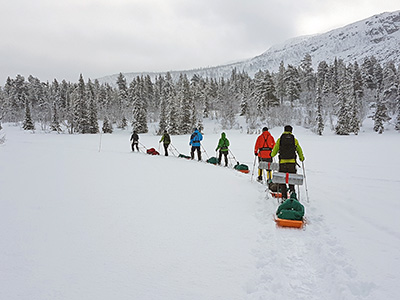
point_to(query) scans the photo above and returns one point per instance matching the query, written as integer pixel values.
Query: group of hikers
(287, 147)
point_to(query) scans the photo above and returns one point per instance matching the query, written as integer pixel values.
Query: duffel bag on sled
(212, 160)
(152, 151)
(242, 168)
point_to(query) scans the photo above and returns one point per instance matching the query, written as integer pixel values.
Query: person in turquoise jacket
(195, 140)
(287, 146)
(223, 145)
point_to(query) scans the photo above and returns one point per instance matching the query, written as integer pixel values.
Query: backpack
(152, 151)
(287, 147)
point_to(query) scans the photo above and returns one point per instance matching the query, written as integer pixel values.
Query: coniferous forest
(338, 96)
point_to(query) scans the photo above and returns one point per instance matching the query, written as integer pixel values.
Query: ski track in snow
(310, 261)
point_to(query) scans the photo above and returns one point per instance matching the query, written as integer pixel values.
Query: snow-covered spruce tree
(390, 86)
(81, 113)
(172, 105)
(246, 95)
(357, 98)
(198, 91)
(93, 121)
(186, 105)
(292, 83)
(227, 107)
(38, 97)
(264, 93)
(122, 100)
(150, 101)
(28, 123)
(380, 115)
(280, 82)
(139, 113)
(397, 126)
(55, 122)
(319, 119)
(307, 95)
(16, 94)
(343, 126)
(107, 127)
(162, 110)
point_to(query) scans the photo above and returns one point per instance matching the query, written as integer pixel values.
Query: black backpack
(287, 147)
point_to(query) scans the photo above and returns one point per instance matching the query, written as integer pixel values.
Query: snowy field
(79, 223)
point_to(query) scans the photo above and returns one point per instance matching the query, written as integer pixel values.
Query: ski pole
(252, 172)
(100, 142)
(205, 151)
(305, 181)
(233, 155)
(143, 146)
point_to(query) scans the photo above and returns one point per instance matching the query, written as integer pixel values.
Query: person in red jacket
(264, 145)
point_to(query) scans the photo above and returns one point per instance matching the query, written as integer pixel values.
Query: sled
(152, 151)
(212, 160)
(270, 166)
(288, 178)
(242, 168)
(244, 171)
(276, 194)
(289, 223)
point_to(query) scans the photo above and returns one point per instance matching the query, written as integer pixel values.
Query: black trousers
(225, 153)
(135, 144)
(194, 148)
(287, 168)
(166, 149)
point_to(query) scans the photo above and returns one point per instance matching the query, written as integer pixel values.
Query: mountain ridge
(377, 36)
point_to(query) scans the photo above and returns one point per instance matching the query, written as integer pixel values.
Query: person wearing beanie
(287, 146)
(262, 149)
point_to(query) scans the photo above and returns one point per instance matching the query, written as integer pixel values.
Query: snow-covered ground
(79, 223)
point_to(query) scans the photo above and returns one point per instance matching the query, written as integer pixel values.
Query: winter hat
(288, 128)
(265, 129)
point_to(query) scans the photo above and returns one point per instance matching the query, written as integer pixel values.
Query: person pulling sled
(195, 140)
(223, 145)
(135, 141)
(287, 146)
(262, 149)
(166, 139)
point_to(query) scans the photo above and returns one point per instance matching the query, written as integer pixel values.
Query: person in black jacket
(135, 141)
(287, 146)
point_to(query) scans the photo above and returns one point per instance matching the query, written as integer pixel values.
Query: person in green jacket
(166, 139)
(291, 209)
(223, 145)
(287, 146)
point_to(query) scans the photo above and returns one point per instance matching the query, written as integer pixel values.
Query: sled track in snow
(302, 264)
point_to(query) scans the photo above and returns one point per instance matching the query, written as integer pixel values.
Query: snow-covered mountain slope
(378, 36)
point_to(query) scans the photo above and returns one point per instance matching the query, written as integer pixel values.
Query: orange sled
(289, 223)
(244, 171)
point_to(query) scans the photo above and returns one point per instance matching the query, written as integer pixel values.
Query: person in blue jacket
(195, 140)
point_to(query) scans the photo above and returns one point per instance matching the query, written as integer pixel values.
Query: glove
(255, 153)
(216, 150)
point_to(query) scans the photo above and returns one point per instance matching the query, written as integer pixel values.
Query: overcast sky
(63, 38)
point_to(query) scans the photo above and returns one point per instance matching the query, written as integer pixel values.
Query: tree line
(337, 95)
